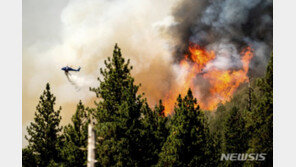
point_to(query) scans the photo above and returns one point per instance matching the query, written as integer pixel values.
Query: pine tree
(28, 158)
(235, 134)
(217, 120)
(43, 132)
(75, 138)
(154, 133)
(162, 130)
(214, 149)
(118, 115)
(187, 142)
(262, 119)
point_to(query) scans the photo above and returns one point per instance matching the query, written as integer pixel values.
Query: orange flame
(223, 83)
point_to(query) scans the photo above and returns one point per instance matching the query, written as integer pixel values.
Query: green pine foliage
(234, 132)
(161, 131)
(28, 158)
(262, 119)
(44, 131)
(236, 138)
(155, 133)
(187, 142)
(118, 115)
(74, 141)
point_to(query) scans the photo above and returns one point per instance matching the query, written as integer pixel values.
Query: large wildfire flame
(222, 82)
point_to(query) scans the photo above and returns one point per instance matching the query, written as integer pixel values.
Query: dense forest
(129, 132)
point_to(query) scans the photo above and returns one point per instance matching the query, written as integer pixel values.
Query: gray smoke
(225, 26)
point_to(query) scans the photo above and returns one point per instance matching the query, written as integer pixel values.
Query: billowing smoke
(228, 29)
(225, 26)
(154, 34)
(85, 36)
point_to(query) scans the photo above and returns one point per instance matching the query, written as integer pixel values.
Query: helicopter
(67, 69)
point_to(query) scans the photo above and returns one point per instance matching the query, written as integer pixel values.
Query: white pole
(91, 146)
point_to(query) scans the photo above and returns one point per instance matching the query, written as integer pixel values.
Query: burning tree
(214, 85)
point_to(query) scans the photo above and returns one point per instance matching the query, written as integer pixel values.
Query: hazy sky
(82, 33)
(42, 21)
(41, 25)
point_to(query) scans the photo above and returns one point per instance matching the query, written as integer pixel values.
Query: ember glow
(221, 83)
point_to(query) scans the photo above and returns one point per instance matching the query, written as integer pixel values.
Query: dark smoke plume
(225, 26)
